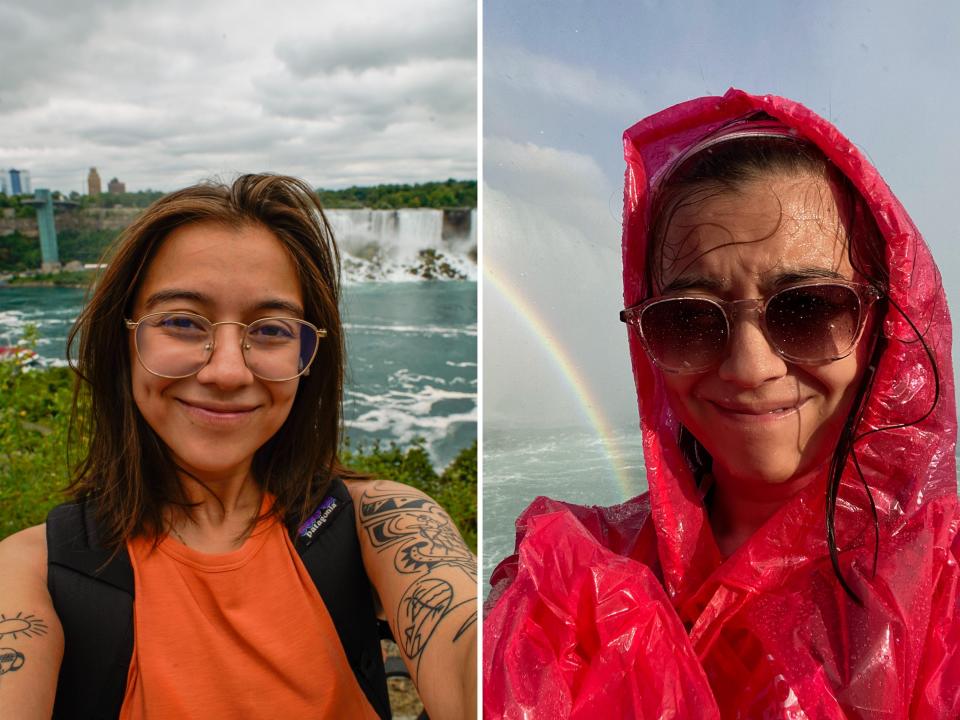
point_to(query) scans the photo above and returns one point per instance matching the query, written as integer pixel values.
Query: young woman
(795, 556)
(215, 562)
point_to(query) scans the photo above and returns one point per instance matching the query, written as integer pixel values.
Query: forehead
(774, 226)
(228, 266)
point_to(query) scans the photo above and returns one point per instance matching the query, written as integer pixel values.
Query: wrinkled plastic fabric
(630, 611)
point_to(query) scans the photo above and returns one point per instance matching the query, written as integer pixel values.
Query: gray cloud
(391, 35)
(162, 95)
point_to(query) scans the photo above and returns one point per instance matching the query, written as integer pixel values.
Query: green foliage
(34, 466)
(33, 438)
(19, 252)
(87, 245)
(449, 194)
(21, 210)
(455, 489)
(138, 199)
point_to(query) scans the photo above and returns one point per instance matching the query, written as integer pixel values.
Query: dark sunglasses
(812, 323)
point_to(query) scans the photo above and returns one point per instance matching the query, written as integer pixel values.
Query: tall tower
(93, 182)
(49, 252)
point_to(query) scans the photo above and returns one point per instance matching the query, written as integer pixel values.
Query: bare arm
(426, 578)
(31, 639)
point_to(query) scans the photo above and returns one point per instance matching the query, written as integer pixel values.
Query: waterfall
(387, 244)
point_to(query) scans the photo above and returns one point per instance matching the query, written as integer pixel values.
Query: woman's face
(213, 422)
(763, 419)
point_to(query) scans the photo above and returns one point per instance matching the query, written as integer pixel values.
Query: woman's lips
(760, 412)
(217, 415)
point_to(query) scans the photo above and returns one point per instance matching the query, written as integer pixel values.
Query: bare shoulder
(378, 490)
(23, 556)
(30, 630)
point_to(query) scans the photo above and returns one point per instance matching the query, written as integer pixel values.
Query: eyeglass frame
(866, 293)
(134, 325)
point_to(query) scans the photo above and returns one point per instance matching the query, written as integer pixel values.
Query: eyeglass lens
(807, 324)
(179, 345)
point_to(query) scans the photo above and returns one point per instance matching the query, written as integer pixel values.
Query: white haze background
(563, 80)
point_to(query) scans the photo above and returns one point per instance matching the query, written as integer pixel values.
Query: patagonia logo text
(318, 519)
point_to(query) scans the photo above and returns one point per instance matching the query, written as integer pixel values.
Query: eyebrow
(692, 282)
(793, 275)
(782, 278)
(171, 294)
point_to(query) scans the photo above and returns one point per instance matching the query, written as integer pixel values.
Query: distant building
(94, 186)
(15, 182)
(115, 186)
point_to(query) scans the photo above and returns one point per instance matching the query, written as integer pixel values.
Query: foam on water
(565, 464)
(447, 332)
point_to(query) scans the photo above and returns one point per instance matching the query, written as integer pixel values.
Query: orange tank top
(243, 634)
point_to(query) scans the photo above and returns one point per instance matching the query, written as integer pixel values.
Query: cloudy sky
(165, 94)
(562, 80)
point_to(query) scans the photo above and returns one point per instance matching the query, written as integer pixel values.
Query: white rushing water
(388, 245)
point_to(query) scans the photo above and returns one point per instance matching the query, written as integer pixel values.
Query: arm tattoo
(423, 538)
(10, 660)
(12, 627)
(20, 624)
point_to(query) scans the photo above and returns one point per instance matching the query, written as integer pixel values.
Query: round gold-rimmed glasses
(180, 344)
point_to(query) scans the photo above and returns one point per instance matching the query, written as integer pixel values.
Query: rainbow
(574, 379)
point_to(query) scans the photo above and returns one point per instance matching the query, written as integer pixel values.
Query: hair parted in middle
(124, 467)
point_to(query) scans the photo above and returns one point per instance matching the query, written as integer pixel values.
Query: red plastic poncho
(630, 611)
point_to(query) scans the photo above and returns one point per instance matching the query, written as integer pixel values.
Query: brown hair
(126, 469)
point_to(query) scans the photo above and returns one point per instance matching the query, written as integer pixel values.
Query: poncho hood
(906, 468)
(594, 593)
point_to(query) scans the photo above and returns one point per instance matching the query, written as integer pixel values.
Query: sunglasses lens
(814, 323)
(684, 334)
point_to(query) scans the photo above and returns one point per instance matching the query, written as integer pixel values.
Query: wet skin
(770, 425)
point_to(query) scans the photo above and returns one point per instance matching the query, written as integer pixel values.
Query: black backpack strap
(92, 594)
(330, 550)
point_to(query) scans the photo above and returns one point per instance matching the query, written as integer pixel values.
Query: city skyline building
(15, 181)
(115, 186)
(94, 186)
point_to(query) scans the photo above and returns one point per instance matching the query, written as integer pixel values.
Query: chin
(762, 471)
(210, 464)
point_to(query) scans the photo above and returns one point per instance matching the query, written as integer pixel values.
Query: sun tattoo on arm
(20, 624)
(424, 540)
(13, 627)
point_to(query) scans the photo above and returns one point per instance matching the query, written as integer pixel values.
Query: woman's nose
(750, 360)
(227, 367)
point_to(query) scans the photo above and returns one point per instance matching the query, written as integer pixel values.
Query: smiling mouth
(213, 414)
(767, 411)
